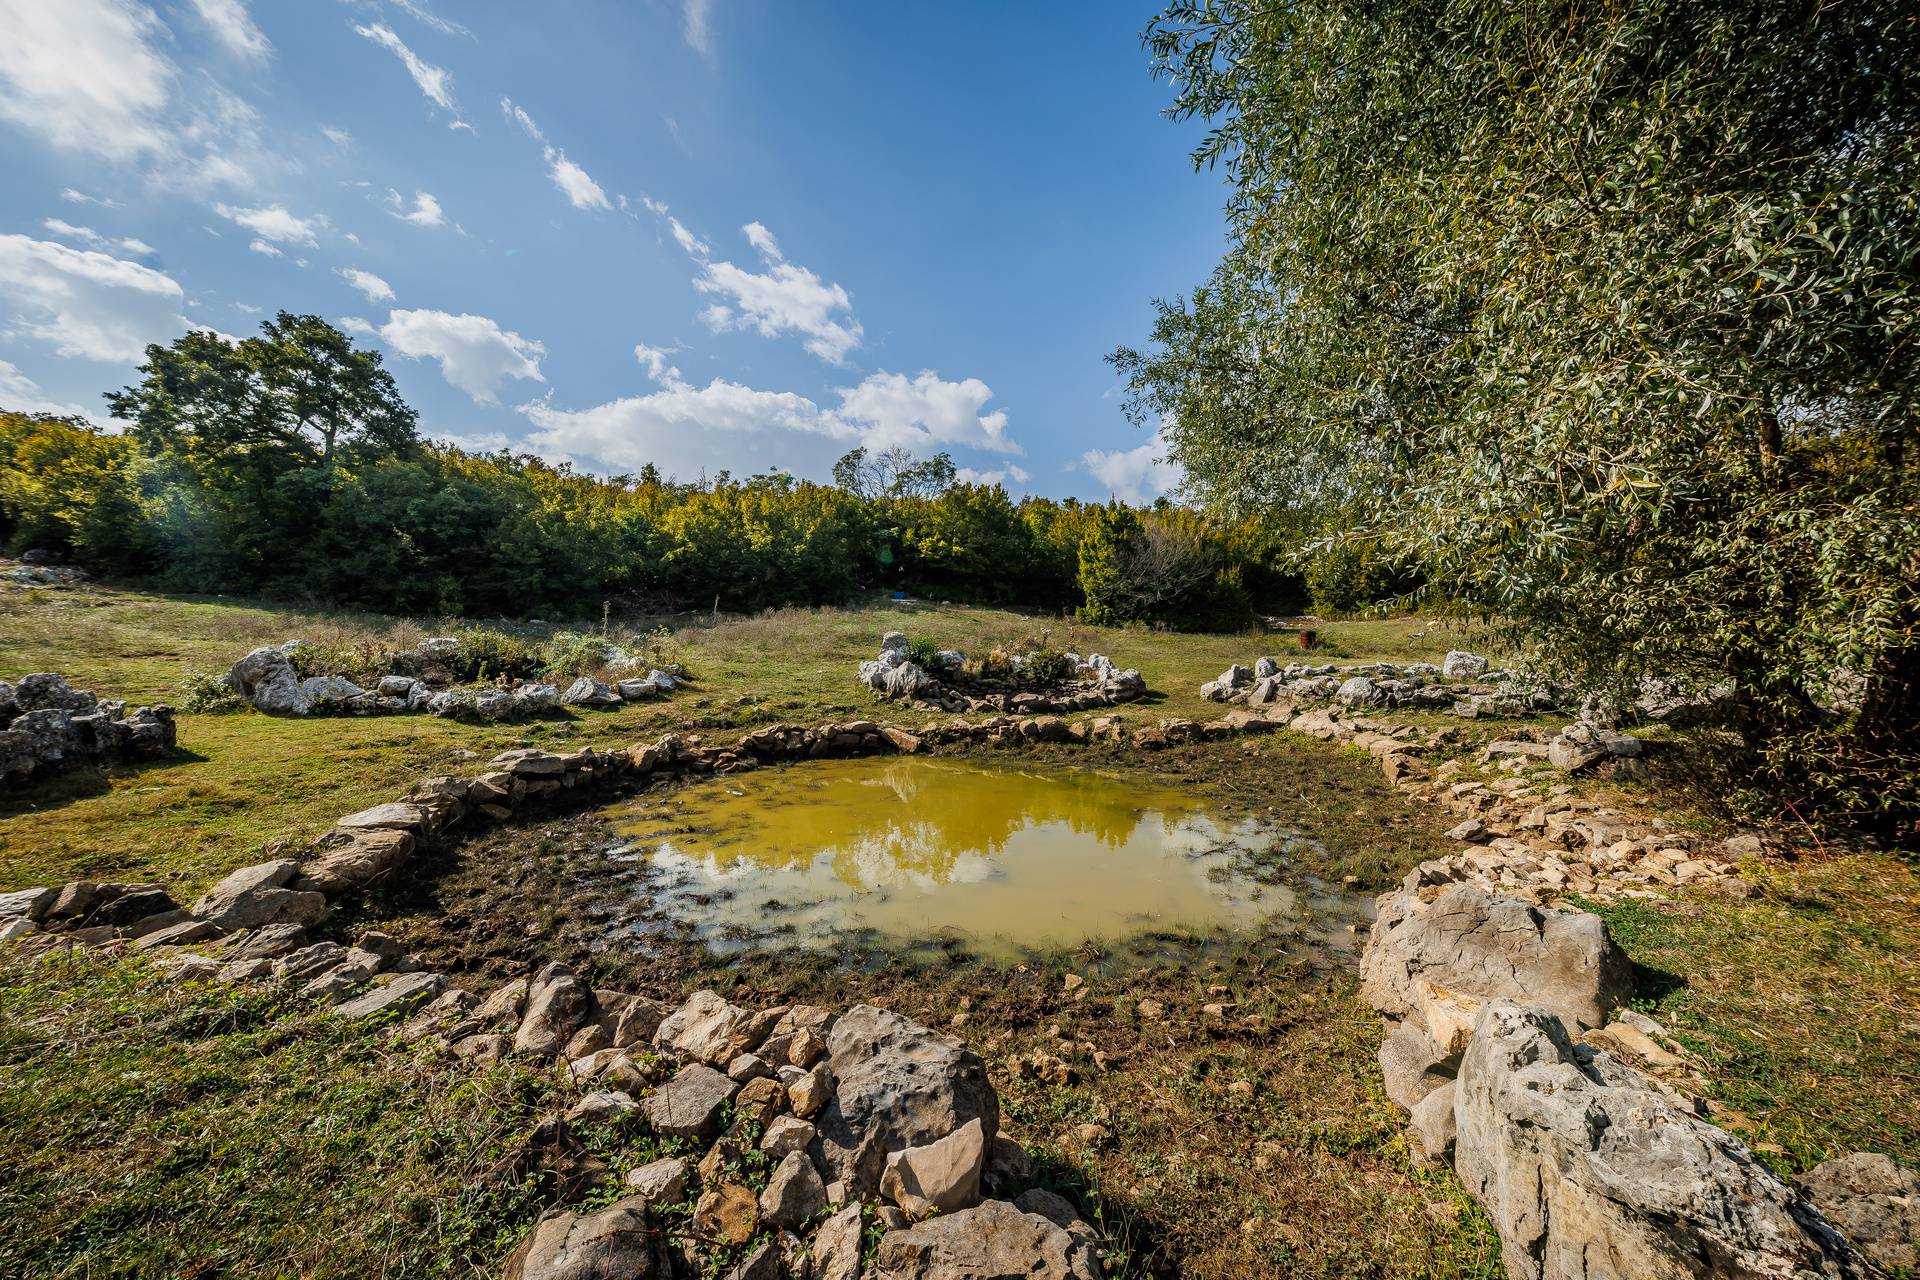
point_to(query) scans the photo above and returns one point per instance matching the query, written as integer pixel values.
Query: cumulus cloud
(784, 298)
(1137, 474)
(475, 354)
(435, 82)
(86, 303)
(925, 412)
(264, 249)
(425, 212)
(1008, 477)
(376, 289)
(234, 27)
(575, 183)
(86, 76)
(273, 223)
(94, 240)
(685, 430)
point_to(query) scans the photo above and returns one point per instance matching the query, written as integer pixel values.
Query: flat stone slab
(688, 1106)
(398, 816)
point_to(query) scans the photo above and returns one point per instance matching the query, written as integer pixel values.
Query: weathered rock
(729, 1213)
(661, 1183)
(940, 1177)
(898, 1084)
(785, 1135)
(836, 1246)
(397, 816)
(396, 998)
(360, 858)
(795, 1195)
(688, 1106)
(617, 1241)
(30, 904)
(992, 1241)
(557, 1003)
(759, 1101)
(268, 942)
(1474, 946)
(588, 692)
(1589, 1172)
(1874, 1202)
(1461, 665)
(1411, 1065)
(603, 1106)
(1431, 1122)
(712, 1030)
(255, 896)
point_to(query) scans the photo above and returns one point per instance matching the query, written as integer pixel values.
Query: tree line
(287, 464)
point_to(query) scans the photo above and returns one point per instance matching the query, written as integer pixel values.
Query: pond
(1000, 858)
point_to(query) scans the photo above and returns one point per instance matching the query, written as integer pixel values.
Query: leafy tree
(893, 473)
(300, 394)
(1601, 311)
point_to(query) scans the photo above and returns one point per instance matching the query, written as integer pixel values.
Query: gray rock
(1461, 665)
(394, 998)
(688, 1106)
(637, 690)
(1412, 1065)
(588, 692)
(557, 1003)
(897, 1084)
(1874, 1202)
(1589, 1171)
(1431, 1122)
(708, 1028)
(1359, 692)
(785, 1135)
(603, 1106)
(396, 686)
(618, 1241)
(940, 1177)
(531, 699)
(257, 895)
(268, 942)
(31, 904)
(661, 1183)
(794, 1195)
(836, 1246)
(992, 1241)
(1434, 961)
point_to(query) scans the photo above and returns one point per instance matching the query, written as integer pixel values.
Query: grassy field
(148, 1130)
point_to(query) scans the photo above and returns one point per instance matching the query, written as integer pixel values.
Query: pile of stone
(1580, 1136)
(1465, 683)
(269, 679)
(1097, 681)
(47, 726)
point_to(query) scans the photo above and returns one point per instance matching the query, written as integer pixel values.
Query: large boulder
(617, 1241)
(1461, 665)
(897, 1084)
(1436, 962)
(992, 1241)
(1592, 1172)
(557, 1003)
(1876, 1205)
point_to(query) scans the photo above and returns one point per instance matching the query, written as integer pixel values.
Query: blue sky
(710, 234)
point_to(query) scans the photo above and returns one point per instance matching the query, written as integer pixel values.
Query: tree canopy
(1601, 311)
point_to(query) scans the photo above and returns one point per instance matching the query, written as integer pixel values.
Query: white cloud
(86, 303)
(475, 354)
(435, 82)
(264, 249)
(355, 324)
(925, 412)
(1137, 474)
(94, 240)
(80, 197)
(84, 76)
(1006, 477)
(575, 183)
(483, 442)
(22, 394)
(338, 137)
(246, 308)
(420, 13)
(785, 298)
(425, 212)
(274, 223)
(655, 361)
(698, 25)
(235, 28)
(376, 289)
(684, 429)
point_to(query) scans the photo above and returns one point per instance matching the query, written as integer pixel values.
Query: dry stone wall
(47, 727)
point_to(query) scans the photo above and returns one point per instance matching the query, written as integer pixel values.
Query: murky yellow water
(1003, 857)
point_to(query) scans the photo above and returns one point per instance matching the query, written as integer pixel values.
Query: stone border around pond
(895, 676)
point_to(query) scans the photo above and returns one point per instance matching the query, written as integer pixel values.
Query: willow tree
(1603, 311)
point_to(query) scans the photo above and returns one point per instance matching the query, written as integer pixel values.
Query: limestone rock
(602, 1106)
(940, 1177)
(617, 1241)
(709, 1029)
(897, 1084)
(836, 1246)
(557, 1003)
(256, 895)
(729, 1213)
(992, 1241)
(1590, 1172)
(1874, 1202)
(588, 692)
(663, 1182)
(400, 996)
(785, 1135)
(795, 1195)
(1468, 943)
(688, 1106)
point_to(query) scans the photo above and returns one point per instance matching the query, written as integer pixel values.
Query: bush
(487, 654)
(209, 695)
(1349, 578)
(924, 654)
(1047, 666)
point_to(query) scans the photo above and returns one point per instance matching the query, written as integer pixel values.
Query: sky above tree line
(741, 235)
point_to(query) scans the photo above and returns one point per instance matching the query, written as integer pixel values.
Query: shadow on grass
(62, 789)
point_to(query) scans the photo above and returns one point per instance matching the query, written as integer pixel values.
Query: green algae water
(1002, 858)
